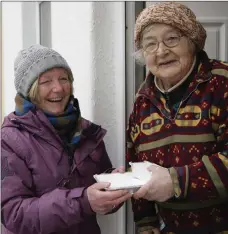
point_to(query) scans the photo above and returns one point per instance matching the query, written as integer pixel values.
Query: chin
(55, 112)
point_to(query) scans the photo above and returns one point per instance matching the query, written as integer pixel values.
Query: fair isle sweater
(191, 139)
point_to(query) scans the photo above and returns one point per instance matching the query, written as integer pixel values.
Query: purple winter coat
(40, 192)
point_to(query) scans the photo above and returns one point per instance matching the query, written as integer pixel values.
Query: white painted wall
(91, 36)
(109, 89)
(71, 37)
(11, 44)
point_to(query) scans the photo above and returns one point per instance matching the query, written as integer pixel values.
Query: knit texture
(192, 142)
(30, 63)
(63, 124)
(174, 14)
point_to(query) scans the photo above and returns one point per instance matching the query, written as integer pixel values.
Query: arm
(23, 212)
(144, 211)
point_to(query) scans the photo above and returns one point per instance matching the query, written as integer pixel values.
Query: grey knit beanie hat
(30, 63)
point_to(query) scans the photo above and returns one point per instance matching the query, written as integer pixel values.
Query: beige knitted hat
(174, 14)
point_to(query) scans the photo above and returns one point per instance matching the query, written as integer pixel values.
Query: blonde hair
(33, 92)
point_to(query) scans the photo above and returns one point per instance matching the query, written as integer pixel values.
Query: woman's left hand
(159, 187)
(120, 169)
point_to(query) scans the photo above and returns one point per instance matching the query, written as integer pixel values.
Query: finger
(120, 169)
(115, 194)
(153, 167)
(115, 171)
(141, 192)
(119, 200)
(101, 185)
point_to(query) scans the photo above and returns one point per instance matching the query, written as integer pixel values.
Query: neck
(166, 87)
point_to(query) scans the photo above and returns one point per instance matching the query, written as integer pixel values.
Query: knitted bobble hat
(30, 63)
(174, 14)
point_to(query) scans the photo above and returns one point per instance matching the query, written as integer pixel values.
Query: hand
(103, 202)
(159, 187)
(120, 169)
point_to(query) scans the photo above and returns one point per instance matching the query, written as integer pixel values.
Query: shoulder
(219, 68)
(92, 130)
(85, 123)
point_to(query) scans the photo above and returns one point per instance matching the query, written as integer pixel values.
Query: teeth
(55, 99)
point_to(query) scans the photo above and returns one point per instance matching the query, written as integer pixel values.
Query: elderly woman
(180, 123)
(50, 154)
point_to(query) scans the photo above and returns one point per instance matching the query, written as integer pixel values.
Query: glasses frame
(158, 43)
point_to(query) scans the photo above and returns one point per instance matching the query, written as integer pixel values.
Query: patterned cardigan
(192, 142)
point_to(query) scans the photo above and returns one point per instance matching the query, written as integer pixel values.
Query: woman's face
(168, 64)
(54, 91)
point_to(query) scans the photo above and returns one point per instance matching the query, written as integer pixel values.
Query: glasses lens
(150, 47)
(172, 41)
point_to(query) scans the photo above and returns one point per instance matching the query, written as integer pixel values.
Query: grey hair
(139, 57)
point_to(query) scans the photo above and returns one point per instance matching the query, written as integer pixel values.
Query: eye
(63, 79)
(150, 45)
(44, 82)
(172, 38)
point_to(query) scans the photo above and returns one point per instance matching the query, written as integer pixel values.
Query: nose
(57, 86)
(162, 49)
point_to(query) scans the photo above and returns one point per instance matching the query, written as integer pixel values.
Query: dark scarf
(67, 124)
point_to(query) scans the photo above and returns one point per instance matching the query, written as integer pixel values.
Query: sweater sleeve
(23, 212)
(207, 179)
(144, 211)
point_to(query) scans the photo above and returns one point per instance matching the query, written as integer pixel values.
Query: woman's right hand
(104, 201)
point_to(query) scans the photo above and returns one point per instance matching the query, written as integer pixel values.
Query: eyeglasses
(169, 41)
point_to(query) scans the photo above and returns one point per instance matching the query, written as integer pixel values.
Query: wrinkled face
(54, 90)
(168, 64)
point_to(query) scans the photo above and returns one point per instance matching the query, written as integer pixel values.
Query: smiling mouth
(55, 99)
(168, 63)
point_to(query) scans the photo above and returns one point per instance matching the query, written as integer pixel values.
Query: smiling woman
(179, 122)
(50, 153)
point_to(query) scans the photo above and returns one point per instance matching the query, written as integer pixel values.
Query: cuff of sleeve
(180, 178)
(84, 202)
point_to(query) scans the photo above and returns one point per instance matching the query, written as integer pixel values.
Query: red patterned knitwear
(191, 139)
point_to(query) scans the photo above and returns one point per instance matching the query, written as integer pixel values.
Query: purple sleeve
(22, 212)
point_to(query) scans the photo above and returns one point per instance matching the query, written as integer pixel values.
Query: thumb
(120, 169)
(101, 185)
(141, 192)
(153, 167)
